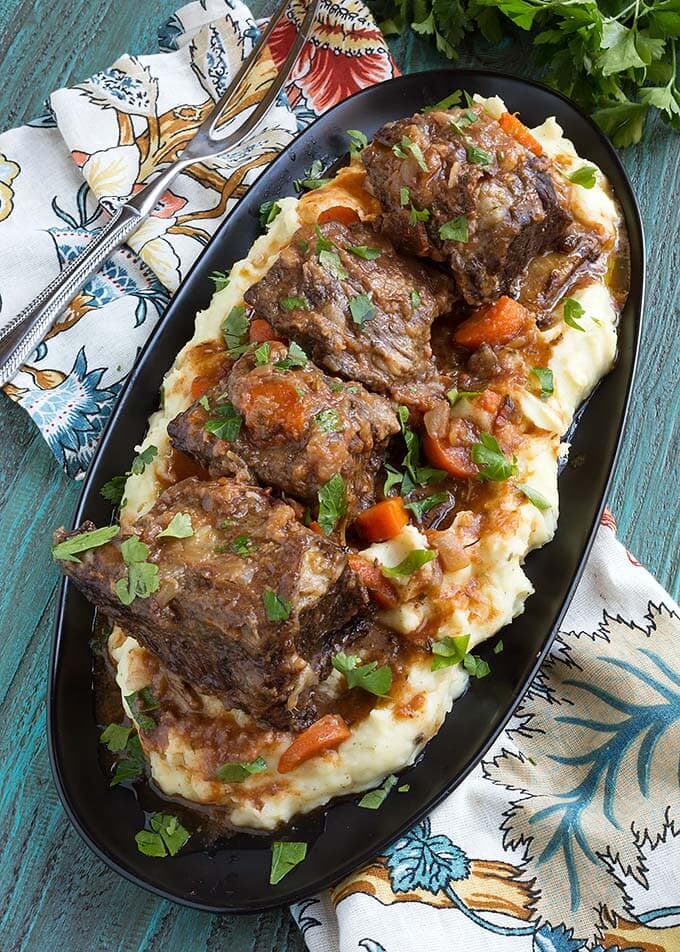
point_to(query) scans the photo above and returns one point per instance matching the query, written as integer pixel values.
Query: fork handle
(20, 337)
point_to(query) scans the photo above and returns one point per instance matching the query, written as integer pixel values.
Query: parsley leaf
(544, 375)
(498, 647)
(407, 145)
(225, 423)
(420, 506)
(332, 503)
(415, 216)
(293, 304)
(534, 497)
(115, 736)
(140, 703)
(493, 466)
(447, 103)
(328, 421)
(361, 308)
(394, 478)
(220, 279)
(238, 772)
(235, 330)
(262, 354)
(205, 403)
(296, 358)
(331, 263)
(573, 313)
(455, 230)
(475, 666)
(276, 607)
(453, 395)
(166, 837)
(142, 577)
(404, 788)
(142, 460)
(179, 527)
(285, 856)
(114, 489)
(242, 545)
(268, 212)
(585, 176)
(413, 561)
(312, 178)
(67, 550)
(416, 475)
(375, 798)
(477, 156)
(404, 196)
(449, 651)
(131, 766)
(415, 298)
(369, 676)
(357, 141)
(363, 251)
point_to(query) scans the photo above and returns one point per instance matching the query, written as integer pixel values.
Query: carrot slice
(341, 213)
(514, 127)
(453, 457)
(384, 520)
(325, 734)
(260, 331)
(493, 324)
(199, 385)
(315, 527)
(380, 588)
(273, 402)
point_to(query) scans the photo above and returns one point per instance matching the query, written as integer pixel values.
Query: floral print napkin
(567, 835)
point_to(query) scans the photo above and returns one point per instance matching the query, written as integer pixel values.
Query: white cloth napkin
(568, 834)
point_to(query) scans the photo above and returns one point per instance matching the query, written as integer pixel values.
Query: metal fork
(24, 332)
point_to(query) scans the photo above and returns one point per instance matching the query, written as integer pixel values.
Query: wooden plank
(55, 892)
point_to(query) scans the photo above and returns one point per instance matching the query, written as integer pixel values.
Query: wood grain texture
(53, 892)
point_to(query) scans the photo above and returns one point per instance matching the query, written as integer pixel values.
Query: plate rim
(361, 859)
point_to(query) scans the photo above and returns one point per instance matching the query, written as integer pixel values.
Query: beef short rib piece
(363, 316)
(298, 427)
(432, 171)
(218, 619)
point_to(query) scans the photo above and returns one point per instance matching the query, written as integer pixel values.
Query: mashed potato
(480, 598)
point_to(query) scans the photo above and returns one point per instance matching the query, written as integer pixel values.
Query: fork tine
(207, 127)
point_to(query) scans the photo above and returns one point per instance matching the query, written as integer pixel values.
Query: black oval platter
(232, 876)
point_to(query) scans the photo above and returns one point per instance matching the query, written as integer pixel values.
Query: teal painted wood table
(53, 892)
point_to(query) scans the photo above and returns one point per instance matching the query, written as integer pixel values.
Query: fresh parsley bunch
(616, 59)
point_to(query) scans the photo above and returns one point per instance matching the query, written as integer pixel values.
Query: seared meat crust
(389, 349)
(299, 428)
(208, 622)
(476, 171)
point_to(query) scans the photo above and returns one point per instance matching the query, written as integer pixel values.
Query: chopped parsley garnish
(363, 251)
(242, 545)
(225, 423)
(293, 304)
(328, 421)
(404, 788)
(394, 478)
(467, 119)
(332, 503)
(113, 490)
(585, 176)
(235, 330)
(119, 739)
(296, 357)
(322, 243)
(498, 647)
(285, 856)
(544, 375)
(573, 313)
(453, 395)
(238, 772)
(535, 498)
(115, 736)
(357, 141)
(415, 298)
(369, 676)
(406, 145)
(276, 607)
(415, 475)
(404, 196)
(268, 212)
(179, 527)
(205, 403)
(375, 798)
(415, 216)
(312, 179)
(142, 577)
(493, 466)
(262, 354)
(303, 246)
(455, 230)
(67, 550)
(140, 703)
(413, 561)
(447, 103)
(477, 156)
(166, 837)
(331, 263)
(361, 308)
(220, 279)
(420, 506)
(453, 650)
